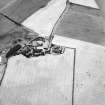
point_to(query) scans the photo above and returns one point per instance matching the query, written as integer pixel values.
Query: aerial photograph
(52, 52)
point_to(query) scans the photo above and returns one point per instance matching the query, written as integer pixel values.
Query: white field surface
(43, 80)
(44, 20)
(89, 73)
(90, 3)
(37, 77)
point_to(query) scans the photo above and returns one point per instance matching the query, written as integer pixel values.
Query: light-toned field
(89, 72)
(44, 80)
(45, 19)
